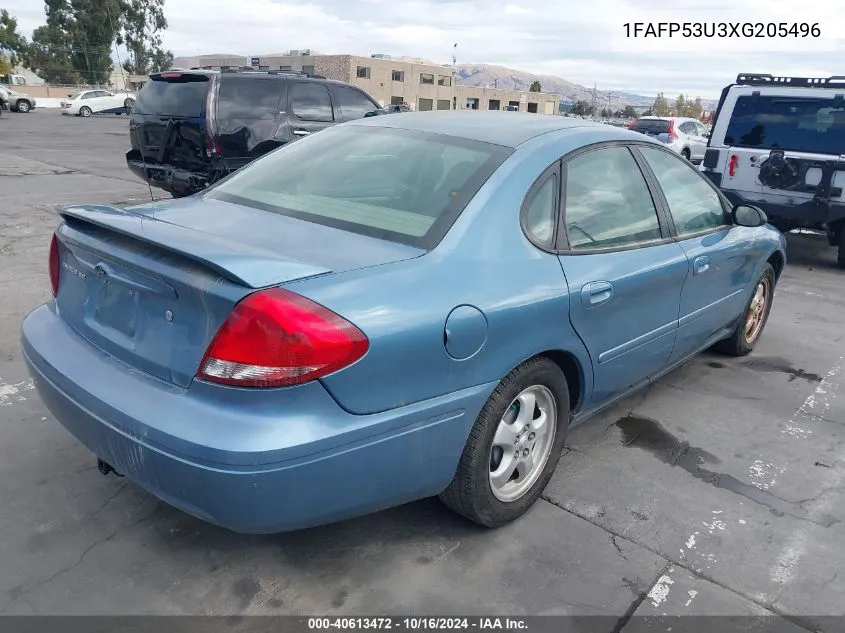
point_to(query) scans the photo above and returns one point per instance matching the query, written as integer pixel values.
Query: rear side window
(353, 103)
(248, 98)
(311, 102)
(396, 185)
(651, 127)
(787, 123)
(173, 94)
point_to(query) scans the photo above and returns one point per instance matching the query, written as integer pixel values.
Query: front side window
(353, 103)
(607, 202)
(393, 184)
(311, 102)
(694, 204)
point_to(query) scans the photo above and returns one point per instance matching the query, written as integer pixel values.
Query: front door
(623, 269)
(721, 265)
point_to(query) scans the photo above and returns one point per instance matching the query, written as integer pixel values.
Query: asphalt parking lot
(718, 491)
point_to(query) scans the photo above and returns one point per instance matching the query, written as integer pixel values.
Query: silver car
(684, 135)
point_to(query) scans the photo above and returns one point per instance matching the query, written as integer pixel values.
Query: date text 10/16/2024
(421, 623)
(722, 29)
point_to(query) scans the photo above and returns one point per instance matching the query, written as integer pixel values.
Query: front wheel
(513, 447)
(85, 111)
(23, 106)
(128, 104)
(686, 154)
(753, 320)
(840, 258)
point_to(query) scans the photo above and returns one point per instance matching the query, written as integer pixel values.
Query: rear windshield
(794, 124)
(396, 185)
(651, 126)
(181, 95)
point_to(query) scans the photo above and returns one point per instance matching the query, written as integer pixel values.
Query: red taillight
(733, 164)
(211, 147)
(54, 265)
(673, 135)
(275, 338)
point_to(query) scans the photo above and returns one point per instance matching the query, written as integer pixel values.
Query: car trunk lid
(152, 292)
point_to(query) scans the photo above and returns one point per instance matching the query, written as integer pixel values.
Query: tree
(661, 106)
(582, 108)
(680, 106)
(13, 45)
(141, 24)
(535, 86)
(606, 113)
(629, 111)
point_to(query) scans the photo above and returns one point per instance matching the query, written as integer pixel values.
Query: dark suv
(189, 128)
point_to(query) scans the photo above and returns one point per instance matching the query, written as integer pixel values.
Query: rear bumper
(230, 456)
(809, 213)
(169, 178)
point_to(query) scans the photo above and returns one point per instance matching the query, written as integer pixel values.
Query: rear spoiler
(245, 265)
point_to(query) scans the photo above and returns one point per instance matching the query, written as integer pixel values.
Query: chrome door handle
(701, 265)
(595, 293)
(301, 132)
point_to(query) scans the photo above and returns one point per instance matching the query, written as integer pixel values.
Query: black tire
(470, 493)
(128, 104)
(738, 344)
(23, 107)
(840, 253)
(85, 111)
(686, 154)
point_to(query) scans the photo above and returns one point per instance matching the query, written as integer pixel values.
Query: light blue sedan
(390, 309)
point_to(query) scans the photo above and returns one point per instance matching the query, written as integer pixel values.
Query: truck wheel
(840, 259)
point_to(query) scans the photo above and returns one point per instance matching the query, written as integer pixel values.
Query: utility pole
(594, 100)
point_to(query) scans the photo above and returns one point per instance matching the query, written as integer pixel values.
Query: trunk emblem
(169, 316)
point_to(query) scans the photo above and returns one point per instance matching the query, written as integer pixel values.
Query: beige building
(418, 83)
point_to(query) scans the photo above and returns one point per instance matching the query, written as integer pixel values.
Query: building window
(308, 70)
(532, 107)
(363, 72)
(494, 104)
(398, 75)
(444, 80)
(444, 104)
(472, 103)
(426, 79)
(284, 68)
(425, 104)
(397, 100)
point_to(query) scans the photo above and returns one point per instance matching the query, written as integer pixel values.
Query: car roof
(494, 127)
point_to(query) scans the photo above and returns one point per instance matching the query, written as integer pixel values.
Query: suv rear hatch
(152, 292)
(655, 128)
(783, 148)
(170, 128)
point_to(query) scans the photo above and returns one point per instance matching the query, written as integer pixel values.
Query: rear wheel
(750, 326)
(23, 106)
(85, 111)
(129, 103)
(840, 258)
(514, 446)
(685, 153)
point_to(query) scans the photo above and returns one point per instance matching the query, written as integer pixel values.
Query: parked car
(88, 102)
(393, 108)
(687, 137)
(779, 143)
(191, 128)
(16, 101)
(262, 355)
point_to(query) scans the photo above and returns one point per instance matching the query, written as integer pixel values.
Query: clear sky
(579, 40)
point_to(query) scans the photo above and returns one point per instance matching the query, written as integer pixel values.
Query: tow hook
(106, 468)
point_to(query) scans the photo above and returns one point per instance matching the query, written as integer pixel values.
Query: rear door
(310, 108)
(721, 259)
(168, 124)
(248, 115)
(623, 268)
(696, 142)
(351, 102)
(806, 124)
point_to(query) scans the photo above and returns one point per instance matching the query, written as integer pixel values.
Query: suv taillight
(673, 135)
(211, 147)
(275, 338)
(733, 163)
(54, 265)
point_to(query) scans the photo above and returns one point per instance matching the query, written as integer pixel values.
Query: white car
(90, 102)
(688, 137)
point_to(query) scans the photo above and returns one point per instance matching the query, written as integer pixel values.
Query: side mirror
(748, 215)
